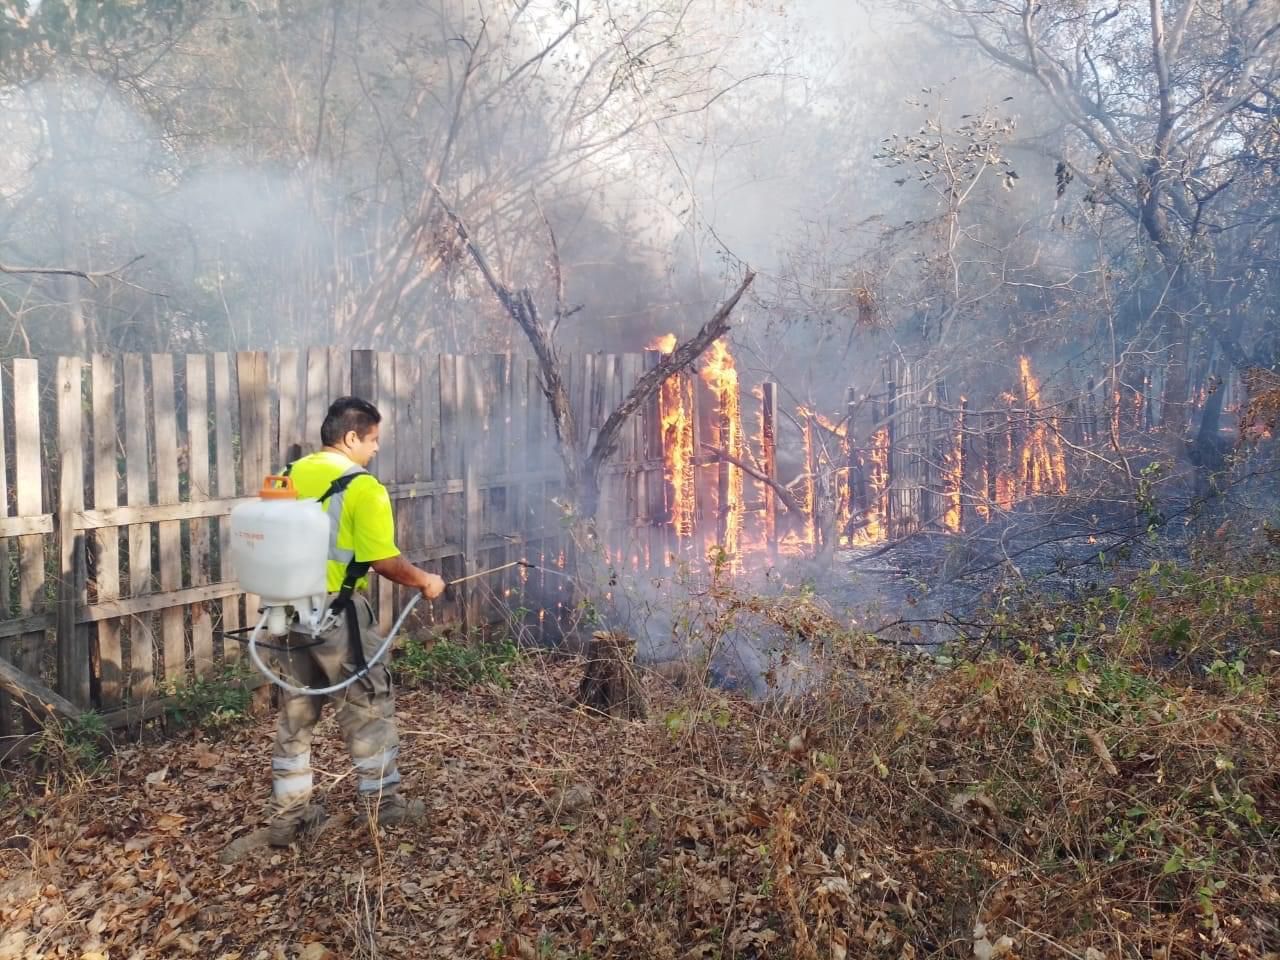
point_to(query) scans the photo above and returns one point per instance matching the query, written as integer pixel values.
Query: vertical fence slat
(73, 640)
(632, 479)
(168, 532)
(28, 482)
(224, 463)
(385, 466)
(197, 383)
(317, 396)
(698, 503)
(503, 518)
(452, 515)
(890, 469)
(613, 485)
(519, 492)
(724, 474)
(934, 452)
(429, 387)
(656, 488)
(138, 492)
(386, 399)
(470, 538)
(106, 494)
(534, 489)
(290, 441)
(477, 463)
(340, 375)
(408, 453)
(363, 375)
(450, 396)
(429, 403)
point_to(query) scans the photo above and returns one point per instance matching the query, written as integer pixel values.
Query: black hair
(347, 414)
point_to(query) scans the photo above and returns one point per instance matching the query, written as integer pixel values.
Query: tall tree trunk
(1177, 384)
(1208, 451)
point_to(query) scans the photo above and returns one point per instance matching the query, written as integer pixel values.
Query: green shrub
(216, 702)
(72, 746)
(442, 662)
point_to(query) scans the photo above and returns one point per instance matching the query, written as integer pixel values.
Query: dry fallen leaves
(715, 841)
(1101, 752)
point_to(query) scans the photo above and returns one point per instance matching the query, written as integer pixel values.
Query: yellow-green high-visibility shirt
(367, 525)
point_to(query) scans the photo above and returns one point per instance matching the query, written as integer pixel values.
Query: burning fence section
(934, 465)
(922, 464)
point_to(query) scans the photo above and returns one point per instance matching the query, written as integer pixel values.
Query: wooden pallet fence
(120, 472)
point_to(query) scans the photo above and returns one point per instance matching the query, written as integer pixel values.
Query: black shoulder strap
(356, 569)
(341, 483)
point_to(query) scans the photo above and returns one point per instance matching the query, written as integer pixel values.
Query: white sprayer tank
(280, 547)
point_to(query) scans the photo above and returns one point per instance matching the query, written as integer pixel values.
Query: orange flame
(1031, 462)
(1043, 461)
(840, 430)
(876, 529)
(663, 344)
(953, 478)
(721, 376)
(675, 407)
(1004, 491)
(810, 492)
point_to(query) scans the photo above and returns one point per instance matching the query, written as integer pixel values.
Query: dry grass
(1078, 799)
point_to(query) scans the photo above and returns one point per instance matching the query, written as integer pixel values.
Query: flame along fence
(919, 455)
(119, 474)
(913, 455)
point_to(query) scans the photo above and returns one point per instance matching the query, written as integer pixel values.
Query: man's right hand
(431, 586)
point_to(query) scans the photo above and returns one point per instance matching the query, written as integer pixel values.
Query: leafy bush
(72, 746)
(442, 662)
(216, 702)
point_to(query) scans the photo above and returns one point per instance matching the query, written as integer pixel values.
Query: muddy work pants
(365, 714)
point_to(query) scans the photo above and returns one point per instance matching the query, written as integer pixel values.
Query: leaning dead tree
(608, 684)
(582, 466)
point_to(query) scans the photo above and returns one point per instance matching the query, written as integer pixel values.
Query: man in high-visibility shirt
(363, 538)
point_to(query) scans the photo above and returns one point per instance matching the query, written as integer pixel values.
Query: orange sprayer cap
(277, 488)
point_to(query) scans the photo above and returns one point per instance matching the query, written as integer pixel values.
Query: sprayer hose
(340, 685)
(386, 644)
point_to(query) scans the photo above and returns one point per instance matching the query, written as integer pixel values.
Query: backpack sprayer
(280, 548)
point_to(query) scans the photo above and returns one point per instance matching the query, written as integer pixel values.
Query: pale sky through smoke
(760, 124)
(741, 174)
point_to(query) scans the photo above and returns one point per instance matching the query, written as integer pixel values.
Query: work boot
(281, 832)
(395, 810)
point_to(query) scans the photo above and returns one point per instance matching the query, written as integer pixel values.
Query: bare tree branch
(672, 363)
(582, 477)
(788, 499)
(520, 306)
(90, 276)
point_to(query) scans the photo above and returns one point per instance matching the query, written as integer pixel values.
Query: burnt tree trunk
(581, 465)
(609, 683)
